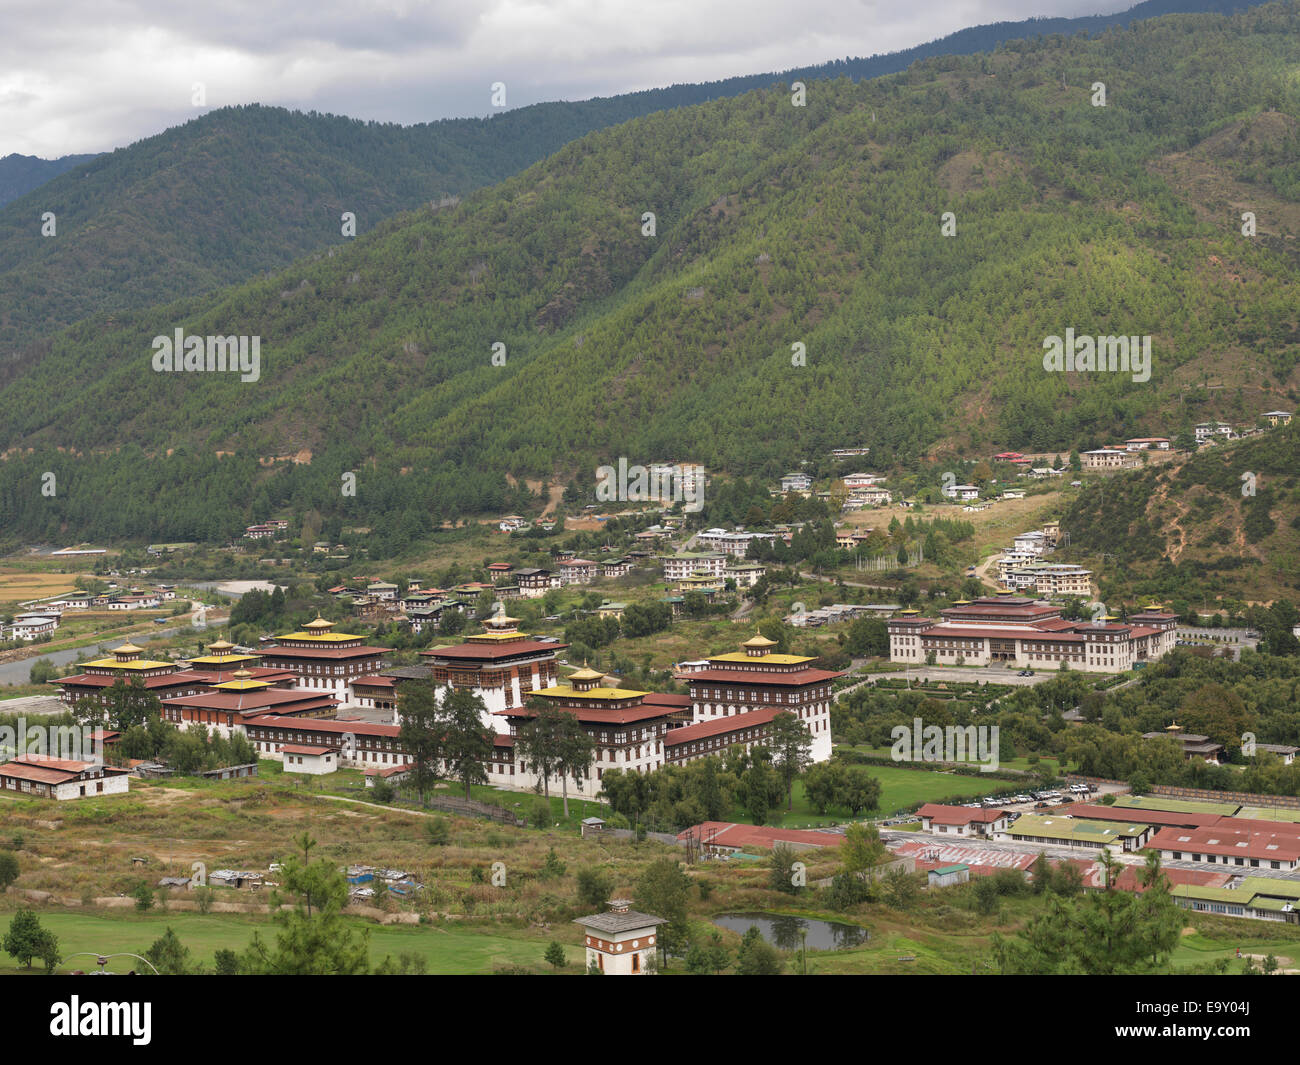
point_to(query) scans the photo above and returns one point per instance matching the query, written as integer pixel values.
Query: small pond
(782, 931)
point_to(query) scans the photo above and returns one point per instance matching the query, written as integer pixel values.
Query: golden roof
(758, 640)
(585, 674)
(127, 649)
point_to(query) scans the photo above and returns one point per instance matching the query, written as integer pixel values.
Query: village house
(577, 571)
(616, 567)
(535, 583)
(1277, 417)
(30, 626)
(862, 480)
(1194, 746)
(745, 574)
(1107, 458)
(796, 482)
(1205, 431)
(1147, 443)
(962, 492)
(688, 564)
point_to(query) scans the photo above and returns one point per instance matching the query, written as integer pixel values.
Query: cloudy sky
(92, 75)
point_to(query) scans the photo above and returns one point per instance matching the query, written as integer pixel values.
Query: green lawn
(899, 789)
(447, 948)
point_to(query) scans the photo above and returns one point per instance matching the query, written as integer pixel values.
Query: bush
(555, 955)
(552, 867)
(437, 831)
(594, 888)
(541, 813)
(143, 896)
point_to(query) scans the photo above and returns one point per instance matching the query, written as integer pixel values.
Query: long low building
(724, 837)
(1075, 832)
(1020, 632)
(45, 777)
(1259, 897)
(1233, 846)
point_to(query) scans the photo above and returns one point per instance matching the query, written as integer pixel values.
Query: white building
(862, 480)
(1024, 634)
(44, 777)
(29, 626)
(303, 758)
(963, 492)
(1208, 430)
(1108, 458)
(622, 941)
(679, 567)
(796, 482)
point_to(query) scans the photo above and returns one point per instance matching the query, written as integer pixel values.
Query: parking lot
(972, 674)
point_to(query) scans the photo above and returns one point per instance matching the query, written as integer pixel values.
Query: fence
(1170, 791)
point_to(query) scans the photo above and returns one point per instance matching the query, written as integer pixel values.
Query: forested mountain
(19, 174)
(244, 190)
(1224, 523)
(776, 225)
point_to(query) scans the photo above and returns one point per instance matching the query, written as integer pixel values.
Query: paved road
(972, 673)
(34, 705)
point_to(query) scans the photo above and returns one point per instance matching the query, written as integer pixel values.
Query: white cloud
(98, 74)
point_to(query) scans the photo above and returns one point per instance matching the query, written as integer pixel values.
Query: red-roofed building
(757, 679)
(44, 777)
(502, 666)
(961, 820)
(1021, 632)
(723, 837)
(323, 660)
(310, 759)
(1237, 848)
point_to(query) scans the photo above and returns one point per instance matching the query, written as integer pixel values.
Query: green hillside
(777, 225)
(244, 190)
(19, 174)
(1194, 531)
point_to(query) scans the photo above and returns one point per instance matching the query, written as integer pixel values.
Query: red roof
(958, 815)
(280, 651)
(720, 726)
(493, 651)
(745, 678)
(726, 834)
(681, 702)
(1008, 632)
(294, 748)
(1267, 846)
(1129, 815)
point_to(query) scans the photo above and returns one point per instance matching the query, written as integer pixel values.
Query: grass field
(899, 788)
(448, 947)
